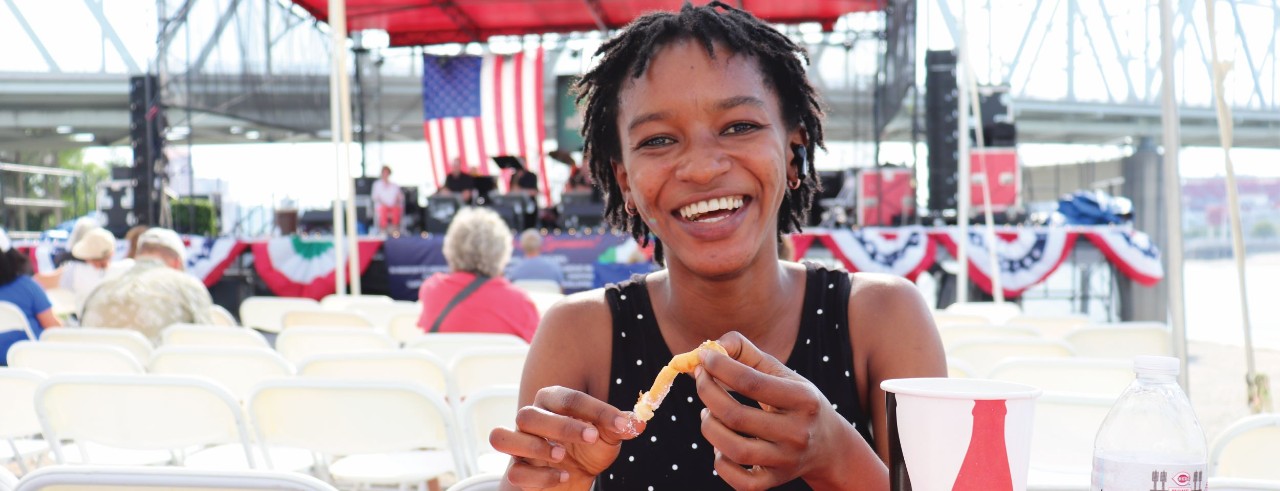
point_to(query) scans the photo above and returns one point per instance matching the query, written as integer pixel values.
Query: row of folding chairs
(358, 431)
(306, 352)
(296, 345)
(975, 350)
(114, 478)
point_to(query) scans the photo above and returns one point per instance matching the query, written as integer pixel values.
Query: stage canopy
(421, 22)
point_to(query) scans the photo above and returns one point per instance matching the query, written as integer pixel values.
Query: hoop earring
(793, 184)
(629, 208)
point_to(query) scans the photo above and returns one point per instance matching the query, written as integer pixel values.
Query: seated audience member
(17, 287)
(91, 256)
(458, 183)
(154, 293)
(535, 266)
(473, 296)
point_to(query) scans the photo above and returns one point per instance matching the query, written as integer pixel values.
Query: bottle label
(1113, 475)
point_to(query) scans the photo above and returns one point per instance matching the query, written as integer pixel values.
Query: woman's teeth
(696, 211)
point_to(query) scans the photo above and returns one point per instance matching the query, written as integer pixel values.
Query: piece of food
(681, 363)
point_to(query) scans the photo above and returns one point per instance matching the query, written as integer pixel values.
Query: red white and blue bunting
(208, 258)
(904, 251)
(1024, 256)
(1027, 256)
(1131, 252)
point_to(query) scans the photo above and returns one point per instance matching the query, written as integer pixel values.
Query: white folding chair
(541, 286)
(65, 358)
(1233, 484)
(951, 335)
(380, 314)
(418, 367)
(267, 313)
(1089, 376)
(1062, 439)
(315, 317)
(13, 319)
(478, 368)
(63, 300)
(1122, 340)
(8, 481)
(482, 411)
(334, 301)
(1050, 326)
(18, 421)
(299, 343)
(1248, 449)
(117, 478)
(944, 319)
(156, 414)
(372, 432)
(984, 354)
(448, 345)
(483, 482)
(236, 368)
(995, 313)
(959, 369)
(198, 335)
(543, 301)
(132, 341)
(404, 327)
(222, 317)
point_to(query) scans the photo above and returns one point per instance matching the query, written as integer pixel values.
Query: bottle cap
(1156, 365)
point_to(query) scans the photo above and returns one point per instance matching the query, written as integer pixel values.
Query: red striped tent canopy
(421, 22)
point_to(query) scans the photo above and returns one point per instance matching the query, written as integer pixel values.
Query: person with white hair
(473, 296)
(535, 266)
(155, 293)
(17, 288)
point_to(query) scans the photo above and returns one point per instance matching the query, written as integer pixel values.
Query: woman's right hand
(564, 439)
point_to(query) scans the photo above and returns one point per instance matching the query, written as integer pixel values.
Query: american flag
(477, 107)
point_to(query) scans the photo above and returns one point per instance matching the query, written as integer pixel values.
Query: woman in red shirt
(473, 296)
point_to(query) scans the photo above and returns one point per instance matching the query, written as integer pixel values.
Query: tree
(1263, 230)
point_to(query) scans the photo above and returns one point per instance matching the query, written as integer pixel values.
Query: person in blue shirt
(17, 288)
(535, 266)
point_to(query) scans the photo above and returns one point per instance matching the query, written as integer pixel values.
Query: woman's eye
(738, 128)
(656, 142)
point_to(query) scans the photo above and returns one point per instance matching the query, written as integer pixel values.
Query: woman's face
(705, 157)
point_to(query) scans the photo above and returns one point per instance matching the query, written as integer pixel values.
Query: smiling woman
(699, 126)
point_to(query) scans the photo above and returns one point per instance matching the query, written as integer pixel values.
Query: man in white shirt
(387, 201)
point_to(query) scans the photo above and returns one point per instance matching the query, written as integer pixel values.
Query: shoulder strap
(457, 299)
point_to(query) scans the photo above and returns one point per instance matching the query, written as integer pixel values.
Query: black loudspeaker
(518, 210)
(942, 132)
(146, 137)
(581, 209)
(439, 212)
(998, 128)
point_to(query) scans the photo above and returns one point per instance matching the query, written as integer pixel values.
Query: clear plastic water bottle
(1151, 439)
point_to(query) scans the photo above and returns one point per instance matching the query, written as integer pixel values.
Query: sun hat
(96, 244)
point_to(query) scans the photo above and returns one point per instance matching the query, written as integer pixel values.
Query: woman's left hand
(795, 432)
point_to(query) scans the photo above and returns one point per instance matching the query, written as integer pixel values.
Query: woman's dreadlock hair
(627, 55)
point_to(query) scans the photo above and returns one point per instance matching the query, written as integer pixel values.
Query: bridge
(1079, 71)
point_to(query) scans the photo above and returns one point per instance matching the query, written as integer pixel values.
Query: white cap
(165, 238)
(95, 244)
(1156, 365)
(5, 243)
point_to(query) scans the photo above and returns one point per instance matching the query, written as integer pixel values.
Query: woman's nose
(704, 163)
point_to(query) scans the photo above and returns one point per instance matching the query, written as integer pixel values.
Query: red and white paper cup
(959, 434)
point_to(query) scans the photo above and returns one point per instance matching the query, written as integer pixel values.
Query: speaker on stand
(942, 132)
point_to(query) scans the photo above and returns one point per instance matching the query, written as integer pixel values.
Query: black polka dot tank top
(672, 454)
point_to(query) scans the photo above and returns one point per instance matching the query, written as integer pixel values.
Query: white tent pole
(1172, 191)
(962, 207)
(1257, 402)
(997, 288)
(338, 70)
(349, 191)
